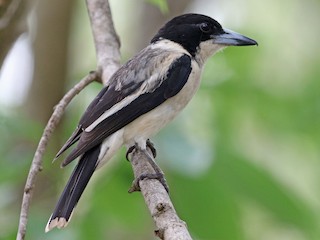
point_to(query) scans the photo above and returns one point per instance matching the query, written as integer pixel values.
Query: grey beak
(230, 38)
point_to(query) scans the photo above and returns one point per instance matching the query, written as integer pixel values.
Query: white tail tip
(57, 222)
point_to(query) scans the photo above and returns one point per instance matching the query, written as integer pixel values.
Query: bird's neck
(205, 50)
(169, 45)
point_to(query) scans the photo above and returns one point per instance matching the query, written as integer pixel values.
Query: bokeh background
(243, 159)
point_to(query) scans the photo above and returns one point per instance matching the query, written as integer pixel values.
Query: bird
(142, 97)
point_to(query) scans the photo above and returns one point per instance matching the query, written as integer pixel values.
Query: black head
(190, 30)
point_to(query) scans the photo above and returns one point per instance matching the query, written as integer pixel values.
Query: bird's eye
(205, 27)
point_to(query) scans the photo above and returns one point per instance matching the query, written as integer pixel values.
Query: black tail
(74, 189)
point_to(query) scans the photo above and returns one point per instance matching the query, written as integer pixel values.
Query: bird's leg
(158, 172)
(149, 144)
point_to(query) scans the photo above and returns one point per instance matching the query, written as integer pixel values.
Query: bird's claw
(158, 176)
(130, 150)
(158, 172)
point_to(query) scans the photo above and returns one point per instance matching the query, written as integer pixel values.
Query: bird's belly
(150, 123)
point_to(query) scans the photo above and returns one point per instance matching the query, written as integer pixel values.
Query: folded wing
(120, 104)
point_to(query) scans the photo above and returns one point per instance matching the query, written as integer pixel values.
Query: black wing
(107, 97)
(176, 78)
(75, 136)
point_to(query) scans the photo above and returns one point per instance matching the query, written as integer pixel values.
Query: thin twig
(36, 165)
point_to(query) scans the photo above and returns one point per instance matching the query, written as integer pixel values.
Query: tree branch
(107, 44)
(106, 40)
(169, 226)
(36, 165)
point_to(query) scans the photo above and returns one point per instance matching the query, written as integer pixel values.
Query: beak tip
(247, 42)
(254, 42)
(230, 38)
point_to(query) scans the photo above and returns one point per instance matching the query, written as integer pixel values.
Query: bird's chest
(150, 123)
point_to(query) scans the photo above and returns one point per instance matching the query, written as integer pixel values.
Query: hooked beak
(230, 38)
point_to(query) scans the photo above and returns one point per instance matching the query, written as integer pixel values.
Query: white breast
(150, 123)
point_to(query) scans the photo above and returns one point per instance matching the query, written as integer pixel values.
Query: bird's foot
(158, 176)
(149, 144)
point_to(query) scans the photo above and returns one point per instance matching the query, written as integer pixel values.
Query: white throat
(207, 49)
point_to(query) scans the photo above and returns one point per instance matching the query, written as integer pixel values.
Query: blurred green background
(242, 160)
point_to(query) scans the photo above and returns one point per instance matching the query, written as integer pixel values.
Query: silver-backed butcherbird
(143, 96)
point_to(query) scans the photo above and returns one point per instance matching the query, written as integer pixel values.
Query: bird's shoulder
(150, 65)
(144, 73)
